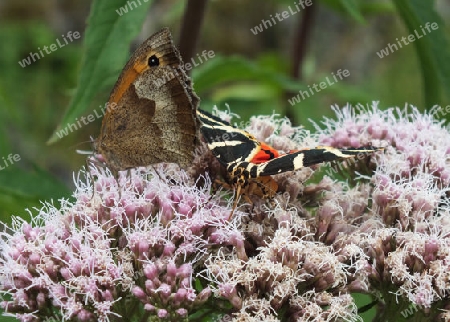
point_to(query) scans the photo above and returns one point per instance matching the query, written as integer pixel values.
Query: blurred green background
(253, 72)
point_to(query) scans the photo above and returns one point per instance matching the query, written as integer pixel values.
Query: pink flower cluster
(402, 219)
(97, 259)
(289, 273)
(388, 224)
(158, 243)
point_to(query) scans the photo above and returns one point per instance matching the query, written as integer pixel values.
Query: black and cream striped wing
(227, 143)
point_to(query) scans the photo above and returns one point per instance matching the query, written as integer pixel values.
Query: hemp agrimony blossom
(157, 245)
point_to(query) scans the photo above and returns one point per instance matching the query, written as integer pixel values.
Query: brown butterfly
(151, 114)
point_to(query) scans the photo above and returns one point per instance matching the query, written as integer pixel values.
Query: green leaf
(6, 318)
(221, 70)
(352, 7)
(20, 189)
(246, 91)
(107, 41)
(377, 8)
(432, 48)
(33, 184)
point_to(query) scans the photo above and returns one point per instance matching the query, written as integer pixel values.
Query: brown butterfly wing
(152, 110)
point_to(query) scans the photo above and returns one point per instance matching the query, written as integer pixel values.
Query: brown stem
(300, 40)
(190, 27)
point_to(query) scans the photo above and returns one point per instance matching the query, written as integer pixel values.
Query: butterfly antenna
(236, 199)
(78, 144)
